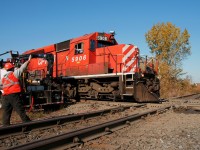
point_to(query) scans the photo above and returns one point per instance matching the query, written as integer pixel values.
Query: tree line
(171, 47)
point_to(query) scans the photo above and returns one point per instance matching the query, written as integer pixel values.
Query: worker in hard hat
(11, 93)
(2, 73)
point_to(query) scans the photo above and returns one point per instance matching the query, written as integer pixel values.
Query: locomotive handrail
(5, 53)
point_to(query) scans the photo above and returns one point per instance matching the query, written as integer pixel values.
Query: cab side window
(79, 48)
(92, 45)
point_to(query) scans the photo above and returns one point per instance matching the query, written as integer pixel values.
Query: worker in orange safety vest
(11, 93)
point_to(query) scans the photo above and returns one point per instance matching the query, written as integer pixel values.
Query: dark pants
(8, 103)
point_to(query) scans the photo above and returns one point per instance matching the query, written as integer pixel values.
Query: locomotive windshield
(104, 43)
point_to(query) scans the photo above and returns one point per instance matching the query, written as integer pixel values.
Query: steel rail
(78, 136)
(184, 96)
(25, 127)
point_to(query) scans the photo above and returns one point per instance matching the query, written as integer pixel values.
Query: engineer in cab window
(79, 48)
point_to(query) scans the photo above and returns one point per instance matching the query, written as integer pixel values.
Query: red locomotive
(93, 66)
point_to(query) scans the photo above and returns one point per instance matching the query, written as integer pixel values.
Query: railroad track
(71, 130)
(191, 96)
(186, 102)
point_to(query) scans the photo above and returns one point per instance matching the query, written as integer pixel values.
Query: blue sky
(26, 24)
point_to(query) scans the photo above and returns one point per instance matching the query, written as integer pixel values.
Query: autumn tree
(171, 47)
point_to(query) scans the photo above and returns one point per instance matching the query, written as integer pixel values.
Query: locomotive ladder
(128, 84)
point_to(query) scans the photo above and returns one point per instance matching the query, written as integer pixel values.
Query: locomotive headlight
(36, 82)
(33, 82)
(112, 32)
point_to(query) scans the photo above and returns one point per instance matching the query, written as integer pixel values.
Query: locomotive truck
(92, 66)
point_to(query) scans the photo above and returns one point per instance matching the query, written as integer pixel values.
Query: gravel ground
(170, 131)
(179, 130)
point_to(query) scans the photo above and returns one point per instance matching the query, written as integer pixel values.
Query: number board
(102, 38)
